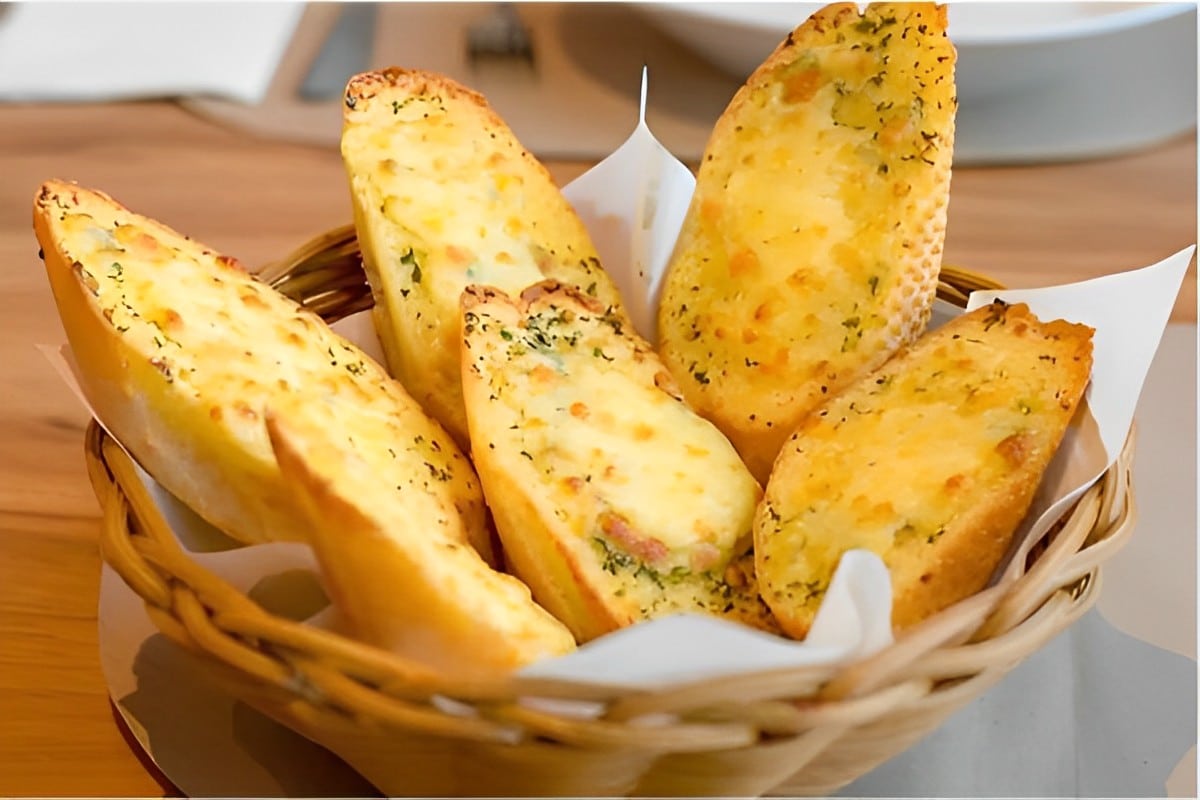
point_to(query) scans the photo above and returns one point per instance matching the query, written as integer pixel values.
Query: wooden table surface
(1026, 226)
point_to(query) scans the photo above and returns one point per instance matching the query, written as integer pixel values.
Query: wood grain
(257, 200)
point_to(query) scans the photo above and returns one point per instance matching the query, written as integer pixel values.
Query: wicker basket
(801, 731)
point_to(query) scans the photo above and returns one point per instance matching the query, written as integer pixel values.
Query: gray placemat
(1095, 713)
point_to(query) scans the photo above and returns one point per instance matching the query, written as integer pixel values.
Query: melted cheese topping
(229, 345)
(640, 453)
(459, 206)
(648, 497)
(445, 197)
(811, 248)
(963, 419)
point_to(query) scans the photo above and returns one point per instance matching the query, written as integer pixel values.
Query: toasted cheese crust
(182, 352)
(811, 248)
(445, 196)
(401, 582)
(931, 462)
(615, 502)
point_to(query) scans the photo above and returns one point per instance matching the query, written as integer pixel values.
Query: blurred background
(1037, 81)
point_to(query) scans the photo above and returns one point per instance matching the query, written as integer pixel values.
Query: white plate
(1036, 81)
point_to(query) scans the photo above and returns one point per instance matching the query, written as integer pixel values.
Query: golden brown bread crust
(445, 196)
(181, 351)
(399, 581)
(811, 247)
(368, 85)
(931, 462)
(615, 502)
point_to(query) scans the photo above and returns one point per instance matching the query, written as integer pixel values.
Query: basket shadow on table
(245, 753)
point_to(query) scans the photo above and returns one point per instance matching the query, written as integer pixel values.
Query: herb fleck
(410, 258)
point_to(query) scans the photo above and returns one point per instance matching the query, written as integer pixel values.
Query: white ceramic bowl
(1036, 81)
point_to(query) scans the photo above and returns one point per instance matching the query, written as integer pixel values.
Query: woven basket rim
(202, 613)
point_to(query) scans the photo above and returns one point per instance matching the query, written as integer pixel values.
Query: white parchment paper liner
(633, 202)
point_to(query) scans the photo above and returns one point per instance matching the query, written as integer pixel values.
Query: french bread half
(811, 248)
(615, 501)
(931, 462)
(182, 352)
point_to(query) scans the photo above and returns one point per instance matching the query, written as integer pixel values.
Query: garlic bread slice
(445, 196)
(931, 462)
(181, 352)
(811, 248)
(615, 502)
(402, 580)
